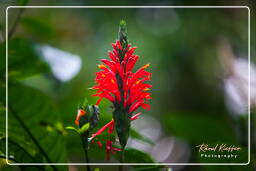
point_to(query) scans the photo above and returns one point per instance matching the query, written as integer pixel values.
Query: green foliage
(84, 128)
(136, 156)
(18, 153)
(198, 128)
(33, 113)
(23, 60)
(136, 135)
(38, 28)
(23, 2)
(71, 128)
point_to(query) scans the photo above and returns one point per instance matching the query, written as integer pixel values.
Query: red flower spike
(133, 83)
(125, 89)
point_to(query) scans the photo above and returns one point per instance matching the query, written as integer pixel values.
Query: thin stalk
(13, 28)
(121, 168)
(86, 153)
(23, 125)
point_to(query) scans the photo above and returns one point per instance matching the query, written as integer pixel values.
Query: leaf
(23, 2)
(84, 128)
(32, 113)
(136, 135)
(132, 155)
(136, 156)
(38, 27)
(71, 128)
(198, 128)
(148, 168)
(19, 154)
(21, 55)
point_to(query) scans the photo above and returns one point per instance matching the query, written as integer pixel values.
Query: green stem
(121, 168)
(84, 143)
(23, 125)
(13, 28)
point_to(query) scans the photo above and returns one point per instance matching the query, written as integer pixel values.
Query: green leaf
(71, 128)
(132, 155)
(20, 155)
(136, 156)
(38, 27)
(21, 55)
(198, 128)
(23, 2)
(148, 168)
(97, 169)
(84, 128)
(136, 135)
(33, 107)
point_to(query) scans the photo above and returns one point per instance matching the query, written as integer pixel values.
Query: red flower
(110, 126)
(80, 113)
(127, 90)
(110, 148)
(117, 83)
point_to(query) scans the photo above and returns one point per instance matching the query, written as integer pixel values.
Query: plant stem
(121, 159)
(84, 142)
(23, 125)
(13, 28)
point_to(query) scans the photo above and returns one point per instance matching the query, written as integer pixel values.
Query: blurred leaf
(1, 27)
(71, 128)
(23, 60)
(33, 107)
(148, 168)
(84, 128)
(20, 155)
(3, 61)
(132, 155)
(97, 169)
(38, 28)
(198, 128)
(136, 135)
(23, 2)
(136, 156)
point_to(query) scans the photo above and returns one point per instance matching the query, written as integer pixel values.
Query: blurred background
(198, 58)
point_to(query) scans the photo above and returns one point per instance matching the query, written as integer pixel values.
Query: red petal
(135, 116)
(103, 128)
